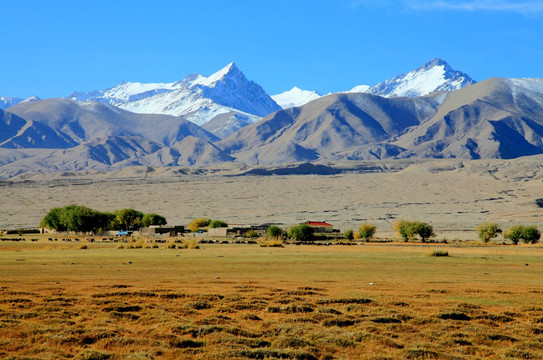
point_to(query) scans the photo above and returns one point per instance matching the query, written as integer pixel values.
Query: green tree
(529, 234)
(424, 230)
(302, 232)
(127, 219)
(75, 218)
(366, 231)
(488, 231)
(409, 229)
(405, 229)
(348, 234)
(217, 224)
(153, 219)
(196, 224)
(274, 231)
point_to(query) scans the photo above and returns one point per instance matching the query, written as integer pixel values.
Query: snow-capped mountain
(295, 97)
(9, 101)
(198, 98)
(433, 76)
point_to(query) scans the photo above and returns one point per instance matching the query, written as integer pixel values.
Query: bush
(302, 232)
(270, 243)
(488, 231)
(527, 233)
(438, 253)
(409, 229)
(197, 224)
(217, 224)
(366, 231)
(274, 231)
(348, 234)
(251, 234)
(153, 219)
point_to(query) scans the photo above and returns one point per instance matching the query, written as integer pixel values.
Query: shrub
(488, 231)
(197, 224)
(84, 247)
(153, 219)
(348, 234)
(271, 243)
(366, 231)
(302, 232)
(217, 224)
(171, 246)
(274, 231)
(251, 234)
(438, 253)
(527, 233)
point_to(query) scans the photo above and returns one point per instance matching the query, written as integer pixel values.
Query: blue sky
(51, 48)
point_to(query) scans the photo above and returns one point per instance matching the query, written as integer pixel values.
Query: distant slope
(496, 118)
(328, 126)
(86, 121)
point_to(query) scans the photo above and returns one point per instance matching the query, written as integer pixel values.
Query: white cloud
(521, 7)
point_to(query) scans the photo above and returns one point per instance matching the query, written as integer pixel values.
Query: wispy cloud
(524, 7)
(521, 7)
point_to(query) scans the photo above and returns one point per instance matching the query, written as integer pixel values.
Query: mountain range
(431, 112)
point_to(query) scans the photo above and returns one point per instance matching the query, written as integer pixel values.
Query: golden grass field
(371, 301)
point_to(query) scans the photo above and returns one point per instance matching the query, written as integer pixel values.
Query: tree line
(79, 218)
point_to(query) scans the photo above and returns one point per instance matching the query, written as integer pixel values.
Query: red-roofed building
(320, 227)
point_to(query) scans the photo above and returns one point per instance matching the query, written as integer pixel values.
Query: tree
(405, 229)
(127, 219)
(76, 218)
(274, 231)
(529, 234)
(424, 230)
(302, 232)
(196, 224)
(217, 224)
(366, 231)
(409, 229)
(348, 234)
(153, 219)
(488, 231)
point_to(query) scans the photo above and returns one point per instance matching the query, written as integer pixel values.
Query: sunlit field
(370, 301)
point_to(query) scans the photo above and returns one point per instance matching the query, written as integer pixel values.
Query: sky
(52, 48)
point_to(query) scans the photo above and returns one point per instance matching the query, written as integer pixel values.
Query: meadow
(370, 301)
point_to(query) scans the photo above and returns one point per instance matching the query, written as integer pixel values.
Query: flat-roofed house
(320, 226)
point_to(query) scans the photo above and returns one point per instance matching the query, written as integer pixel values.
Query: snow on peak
(197, 97)
(433, 76)
(359, 89)
(295, 97)
(8, 101)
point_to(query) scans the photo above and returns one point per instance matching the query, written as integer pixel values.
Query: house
(163, 229)
(320, 227)
(235, 230)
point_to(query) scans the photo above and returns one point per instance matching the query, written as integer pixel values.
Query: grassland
(372, 301)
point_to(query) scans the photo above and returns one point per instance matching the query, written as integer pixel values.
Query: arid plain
(452, 195)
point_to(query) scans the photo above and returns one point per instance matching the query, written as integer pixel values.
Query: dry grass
(247, 302)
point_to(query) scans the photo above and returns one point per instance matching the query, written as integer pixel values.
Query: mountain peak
(435, 75)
